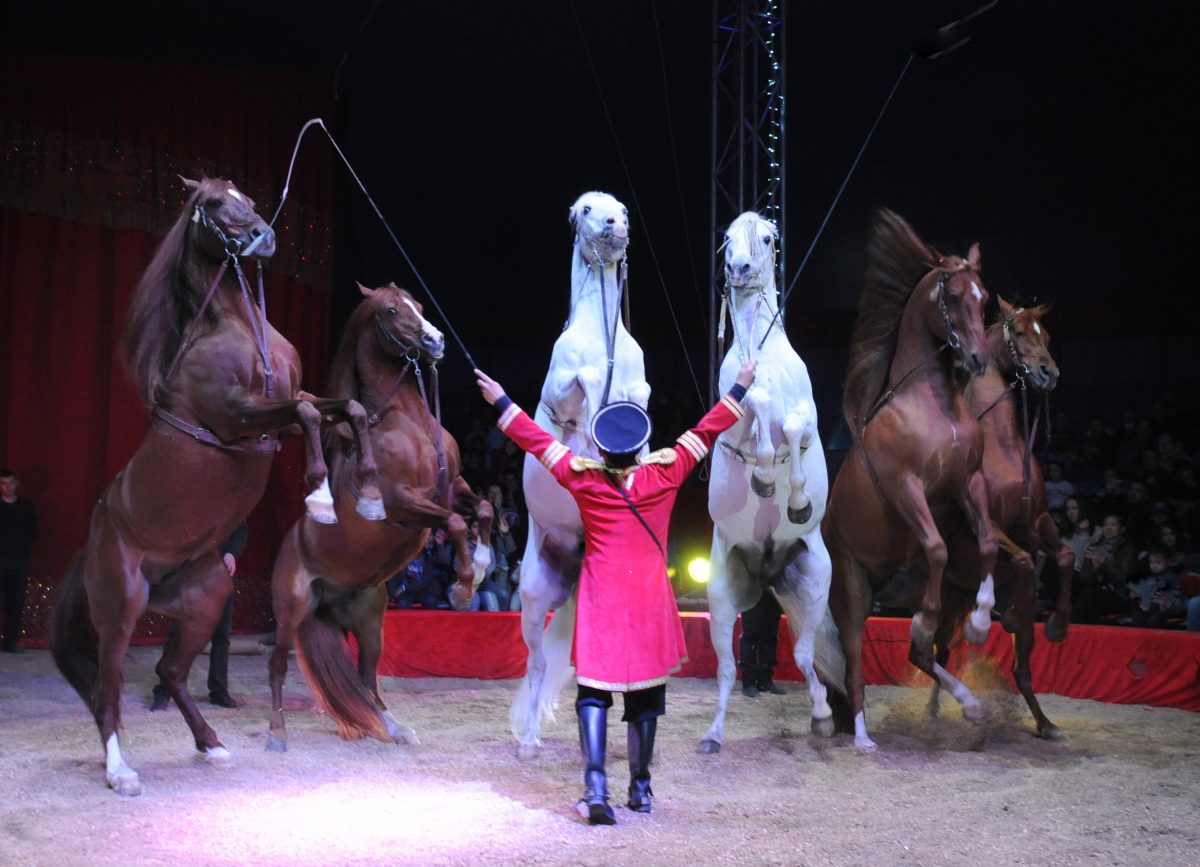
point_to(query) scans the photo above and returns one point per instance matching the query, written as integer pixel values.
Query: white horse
(594, 362)
(768, 536)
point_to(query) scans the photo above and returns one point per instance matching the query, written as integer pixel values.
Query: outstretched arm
(524, 431)
(693, 445)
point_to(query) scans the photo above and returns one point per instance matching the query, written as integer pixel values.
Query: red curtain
(90, 153)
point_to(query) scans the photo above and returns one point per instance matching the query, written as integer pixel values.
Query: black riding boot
(641, 751)
(593, 736)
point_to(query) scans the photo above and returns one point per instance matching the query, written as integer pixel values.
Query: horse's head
(224, 221)
(955, 298)
(750, 243)
(601, 226)
(1025, 346)
(403, 331)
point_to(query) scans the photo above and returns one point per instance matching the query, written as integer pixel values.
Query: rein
(610, 330)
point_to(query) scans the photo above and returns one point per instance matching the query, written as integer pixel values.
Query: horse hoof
(800, 516)
(371, 508)
(525, 752)
(125, 783)
(973, 632)
(823, 727)
(218, 757)
(1051, 732)
(402, 734)
(276, 745)
(321, 513)
(975, 712)
(865, 743)
(708, 747)
(766, 490)
(1056, 629)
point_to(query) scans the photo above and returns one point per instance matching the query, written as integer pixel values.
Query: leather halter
(433, 420)
(233, 252)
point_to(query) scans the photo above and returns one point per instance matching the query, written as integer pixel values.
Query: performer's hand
(492, 390)
(746, 375)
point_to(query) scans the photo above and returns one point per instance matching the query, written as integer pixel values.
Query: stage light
(698, 569)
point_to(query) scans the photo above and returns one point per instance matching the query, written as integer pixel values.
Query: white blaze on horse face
(431, 334)
(975, 289)
(233, 192)
(1037, 329)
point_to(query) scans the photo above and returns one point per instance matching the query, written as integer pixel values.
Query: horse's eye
(587, 209)
(624, 212)
(214, 203)
(767, 240)
(391, 311)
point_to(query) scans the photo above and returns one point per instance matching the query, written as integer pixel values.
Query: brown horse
(1020, 354)
(914, 471)
(331, 578)
(221, 384)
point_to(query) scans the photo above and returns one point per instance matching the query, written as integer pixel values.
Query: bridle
(953, 341)
(234, 248)
(410, 355)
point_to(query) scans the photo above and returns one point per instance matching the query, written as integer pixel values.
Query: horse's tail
(556, 648)
(324, 657)
(73, 641)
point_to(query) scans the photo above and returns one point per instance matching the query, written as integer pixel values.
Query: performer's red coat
(627, 630)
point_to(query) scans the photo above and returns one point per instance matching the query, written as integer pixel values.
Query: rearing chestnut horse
(1019, 345)
(331, 578)
(221, 384)
(914, 471)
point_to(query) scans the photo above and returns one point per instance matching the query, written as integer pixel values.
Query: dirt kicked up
(1122, 787)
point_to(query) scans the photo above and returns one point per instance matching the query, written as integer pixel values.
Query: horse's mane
(343, 382)
(896, 261)
(162, 308)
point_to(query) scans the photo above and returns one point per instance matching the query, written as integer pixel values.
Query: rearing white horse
(595, 361)
(767, 536)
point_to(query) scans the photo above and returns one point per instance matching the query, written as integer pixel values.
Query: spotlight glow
(698, 568)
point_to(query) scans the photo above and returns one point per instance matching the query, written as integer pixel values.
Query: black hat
(621, 428)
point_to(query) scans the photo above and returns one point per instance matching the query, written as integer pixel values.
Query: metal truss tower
(748, 131)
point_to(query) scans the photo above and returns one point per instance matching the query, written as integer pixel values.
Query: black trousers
(14, 574)
(640, 705)
(218, 654)
(760, 636)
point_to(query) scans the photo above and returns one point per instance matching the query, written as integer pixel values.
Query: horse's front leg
(974, 503)
(259, 415)
(910, 503)
(1051, 543)
(203, 586)
(799, 429)
(762, 479)
(366, 479)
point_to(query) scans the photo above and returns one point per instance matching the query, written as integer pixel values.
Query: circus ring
(1121, 786)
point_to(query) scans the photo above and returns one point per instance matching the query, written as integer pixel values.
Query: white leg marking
(981, 617)
(861, 740)
(320, 504)
(120, 777)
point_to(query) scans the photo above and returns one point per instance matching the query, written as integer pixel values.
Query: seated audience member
(1158, 595)
(1109, 563)
(1139, 528)
(1057, 487)
(418, 582)
(1110, 497)
(1075, 529)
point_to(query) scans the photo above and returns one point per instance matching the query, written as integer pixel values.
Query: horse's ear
(190, 184)
(392, 285)
(1005, 308)
(973, 256)
(365, 290)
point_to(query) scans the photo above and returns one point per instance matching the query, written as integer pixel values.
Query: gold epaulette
(579, 463)
(665, 457)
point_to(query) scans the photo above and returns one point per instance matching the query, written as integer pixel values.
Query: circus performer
(628, 637)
